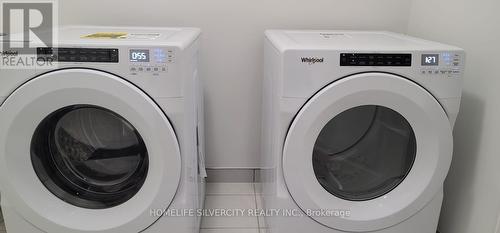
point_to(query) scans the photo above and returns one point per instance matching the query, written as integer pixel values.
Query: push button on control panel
(369, 59)
(439, 72)
(148, 69)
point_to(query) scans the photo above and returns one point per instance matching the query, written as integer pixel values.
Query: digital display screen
(139, 55)
(430, 59)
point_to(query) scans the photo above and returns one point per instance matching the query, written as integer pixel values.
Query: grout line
(256, 204)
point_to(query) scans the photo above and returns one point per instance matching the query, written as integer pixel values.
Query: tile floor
(233, 196)
(226, 196)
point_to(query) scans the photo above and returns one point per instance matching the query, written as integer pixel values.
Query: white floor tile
(229, 222)
(229, 231)
(230, 189)
(233, 202)
(258, 188)
(230, 201)
(259, 201)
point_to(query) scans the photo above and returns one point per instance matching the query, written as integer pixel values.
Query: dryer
(357, 130)
(104, 139)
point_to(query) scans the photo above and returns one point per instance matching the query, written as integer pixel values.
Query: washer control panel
(83, 55)
(153, 61)
(447, 64)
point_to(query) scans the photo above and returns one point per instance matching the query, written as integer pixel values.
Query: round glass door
(364, 152)
(89, 156)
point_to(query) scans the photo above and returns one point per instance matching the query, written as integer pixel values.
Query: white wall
(232, 50)
(472, 189)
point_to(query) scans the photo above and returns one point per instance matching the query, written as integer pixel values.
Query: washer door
(86, 151)
(376, 145)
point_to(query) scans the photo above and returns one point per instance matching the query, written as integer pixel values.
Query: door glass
(364, 153)
(89, 156)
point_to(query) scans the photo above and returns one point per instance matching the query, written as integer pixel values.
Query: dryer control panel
(445, 63)
(375, 59)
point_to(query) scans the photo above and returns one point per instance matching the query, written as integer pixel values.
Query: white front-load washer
(357, 130)
(105, 138)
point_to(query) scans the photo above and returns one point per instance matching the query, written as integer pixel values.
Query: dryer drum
(364, 153)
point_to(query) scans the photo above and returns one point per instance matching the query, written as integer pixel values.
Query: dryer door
(86, 151)
(373, 147)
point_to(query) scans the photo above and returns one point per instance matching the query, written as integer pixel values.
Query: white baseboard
(232, 175)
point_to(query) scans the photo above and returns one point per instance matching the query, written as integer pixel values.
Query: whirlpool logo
(312, 60)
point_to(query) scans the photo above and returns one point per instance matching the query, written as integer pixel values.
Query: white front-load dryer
(104, 138)
(357, 131)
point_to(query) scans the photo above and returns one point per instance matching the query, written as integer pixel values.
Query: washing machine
(106, 137)
(357, 130)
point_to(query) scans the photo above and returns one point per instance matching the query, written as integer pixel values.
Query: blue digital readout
(430, 59)
(139, 55)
